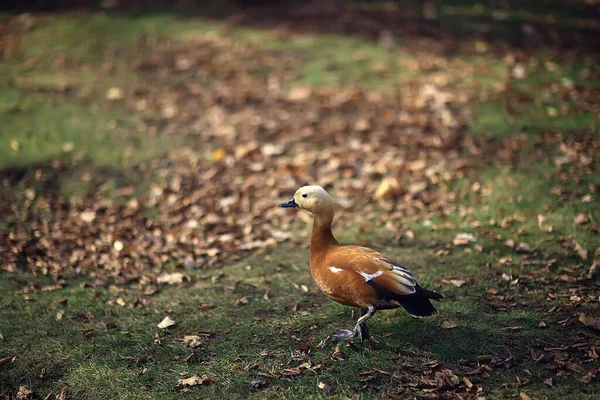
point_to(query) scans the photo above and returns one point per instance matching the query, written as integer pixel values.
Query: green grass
(37, 129)
(58, 111)
(248, 342)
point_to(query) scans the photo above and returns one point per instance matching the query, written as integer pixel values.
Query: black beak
(289, 204)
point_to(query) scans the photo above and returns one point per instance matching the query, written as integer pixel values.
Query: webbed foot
(359, 330)
(343, 334)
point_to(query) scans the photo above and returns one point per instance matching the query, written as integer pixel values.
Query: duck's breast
(335, 283)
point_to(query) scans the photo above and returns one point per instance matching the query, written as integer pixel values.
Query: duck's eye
(304, 195)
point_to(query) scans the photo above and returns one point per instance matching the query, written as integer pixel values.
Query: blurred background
(195, 118)
(142, 139)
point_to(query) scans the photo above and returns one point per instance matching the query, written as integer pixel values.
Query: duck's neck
(321, 237)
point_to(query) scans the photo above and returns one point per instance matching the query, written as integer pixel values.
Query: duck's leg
(359, 330)
(361, 325)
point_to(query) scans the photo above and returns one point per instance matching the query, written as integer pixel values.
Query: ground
(143, 156)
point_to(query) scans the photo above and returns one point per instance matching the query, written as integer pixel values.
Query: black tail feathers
(418, 304)
(418, 307)
(428, 294)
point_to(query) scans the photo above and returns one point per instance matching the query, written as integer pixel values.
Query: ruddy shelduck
(357, 276)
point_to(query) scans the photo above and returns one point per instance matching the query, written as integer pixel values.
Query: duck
(357, 276)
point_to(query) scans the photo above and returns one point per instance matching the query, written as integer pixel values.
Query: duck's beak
(289, 204)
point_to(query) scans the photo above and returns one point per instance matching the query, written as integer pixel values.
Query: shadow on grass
(67, 177)
(562, 25)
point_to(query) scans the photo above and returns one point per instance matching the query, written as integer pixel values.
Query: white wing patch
(369, 277)
(335, 270)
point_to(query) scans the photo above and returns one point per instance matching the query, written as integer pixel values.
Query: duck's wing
(362, 277)
(392, 282)
(388, 278)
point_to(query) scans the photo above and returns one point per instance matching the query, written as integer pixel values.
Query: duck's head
(311, 198)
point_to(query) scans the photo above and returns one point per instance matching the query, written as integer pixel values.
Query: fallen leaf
(455, 282)
(583, 253)
(417, 187)
(448, 325)
(541, 224)
(587, 198)
(109, 326)
(59, 315)
(362, 125)
(485, 357)
(511, 328)
(118, 245)
(291, 371)
(62, 395)
(326, 386)
(218, 155)
(24, 393)
(590, 321)
(299, 93)
(243, 301)
(192, 358)
(194, 381)
(367, 376)
(87, 216)
(387, 188)
(518, 71)
(337, 354)
(304, 347)
(542, 324)
(446, 379)
(272, 149)
(5, 362)
(88, 332)
(114, 93)
(167, 322)
(169, 111)
(190, 338)
(171, 279)
(258, 383)
(524, 396)
(590, 376)
(575, 299)
(462, 239)
(580, 219)
(468, 383)
(523, 247)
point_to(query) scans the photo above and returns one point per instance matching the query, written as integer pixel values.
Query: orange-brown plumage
(354, 275)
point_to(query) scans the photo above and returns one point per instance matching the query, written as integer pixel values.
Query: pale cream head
(314, 199)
